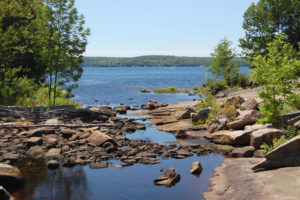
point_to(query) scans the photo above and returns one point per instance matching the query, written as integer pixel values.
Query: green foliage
(290, 133)
(277, 72)
(14, 89)
(170, 89)
(199, 122)
(264, 20)
(239, 79)
(153, 61)
(221, 66)
(214, 85)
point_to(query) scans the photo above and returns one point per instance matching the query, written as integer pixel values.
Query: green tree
(266, 19)
(65, 42)
(19, 41)
(277, 72)
(221, 66)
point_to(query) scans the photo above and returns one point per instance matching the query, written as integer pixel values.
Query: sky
(126, 28)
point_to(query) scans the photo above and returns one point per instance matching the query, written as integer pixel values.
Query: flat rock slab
(234, 179)
(231, 137)
(185, 124)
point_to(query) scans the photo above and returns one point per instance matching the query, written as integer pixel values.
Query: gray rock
(259, 153)
(243, 152)
(241, 137)
(285, 117)
(201, 114)
(180, 134)
(35, 152)
(169, 178)
(241, 123)
(10, 176)
(53, 153)
(250, 104)
(286, 155)
(186, 114)
(196, 168)
(257, 138)
(34, 141)
(99, 138)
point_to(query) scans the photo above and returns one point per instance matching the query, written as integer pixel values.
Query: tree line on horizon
(154, 61)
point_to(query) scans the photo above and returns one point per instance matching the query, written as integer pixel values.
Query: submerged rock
(169, 178)
(53, 164)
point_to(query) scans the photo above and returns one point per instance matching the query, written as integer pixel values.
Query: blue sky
(161, 27)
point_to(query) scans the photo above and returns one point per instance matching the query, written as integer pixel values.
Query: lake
(112, 86)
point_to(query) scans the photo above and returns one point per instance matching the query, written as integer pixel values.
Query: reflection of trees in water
(42, 184)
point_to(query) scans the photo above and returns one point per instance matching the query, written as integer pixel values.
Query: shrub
(170, 89)
(239, 79)
(214, 86)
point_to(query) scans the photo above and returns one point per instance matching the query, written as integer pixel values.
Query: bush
(214, 86)
(239, 79)
(170, 89)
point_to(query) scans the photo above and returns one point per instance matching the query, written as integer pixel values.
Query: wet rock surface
(169, 178)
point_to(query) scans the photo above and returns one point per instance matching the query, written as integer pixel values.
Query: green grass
(170, 89)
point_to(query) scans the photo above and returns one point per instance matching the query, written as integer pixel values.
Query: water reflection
(42, 184)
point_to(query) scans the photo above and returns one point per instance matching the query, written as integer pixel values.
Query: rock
(220, 95)
(4, 194)
(250, 104)
(186, 114)
(52, 121)
(98, 165)
(169, 178)
(256, 127)
(53, 153)
(241, 123)
(201, 114)
(236, 100)
(259, 153)
(257, 138)
(145, 91)
(117, 166)
(244, 114)
(67, 133)
(69, 163)
(99, 138)
(182, 153)
(121, 109)
(11, 157)
(286, 155)
(35, 152)
(243, 152)
(285, 117)
(10, 176)
(38, 132)
(180, 134)
(53, 164)
(234, 138)
(297, 125)
(34, 141)
(196, 168)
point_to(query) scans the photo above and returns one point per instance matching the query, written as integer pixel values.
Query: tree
(65, 42)
(277, 72)
(19, 41)
(221, 66)
(266, 19)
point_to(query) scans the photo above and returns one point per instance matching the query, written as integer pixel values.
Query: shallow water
(117, 85)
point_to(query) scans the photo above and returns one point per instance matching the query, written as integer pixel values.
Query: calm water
(109, 85)
(114, 86)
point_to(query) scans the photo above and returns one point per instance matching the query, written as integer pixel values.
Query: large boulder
(257, 138)
(10, 176)
(169, 178)
(98, 138)
(186, 114)
(201, 114)
(286, 117)
(234, 138)
(286, 155)
(250, 104)
(196, 168)
(35, 152)
(53, 153)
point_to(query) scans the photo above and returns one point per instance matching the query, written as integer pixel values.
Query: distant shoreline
(153, 61)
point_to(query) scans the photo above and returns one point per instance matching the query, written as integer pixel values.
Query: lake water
(114, 86)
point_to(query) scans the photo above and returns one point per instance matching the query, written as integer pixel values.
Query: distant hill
(152, 61)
